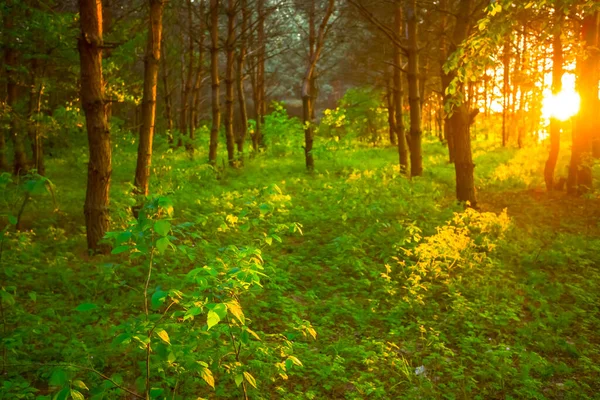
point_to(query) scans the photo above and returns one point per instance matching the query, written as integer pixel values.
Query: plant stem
(147, 318)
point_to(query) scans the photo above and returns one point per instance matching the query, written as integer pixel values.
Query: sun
(563, 105)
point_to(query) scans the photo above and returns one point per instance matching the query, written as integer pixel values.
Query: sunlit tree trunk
(229, 82)
(94, 106)
(505, 90)
(241, 61)
(445, 78)
(580, 170)
(555, 125)
(400, 134)
(461, 119)
(214, 74)
(151, 66)
(414, 98)
(307, 93)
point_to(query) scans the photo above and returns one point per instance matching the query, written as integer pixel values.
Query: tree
(214, 74)
(151, 66)
(402, 145)
(241, 65)
(316, 43)
(414, 97)
(93, 103)
(229, 82)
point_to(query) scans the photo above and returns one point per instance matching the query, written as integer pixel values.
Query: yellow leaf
(208, 377)
(250, 379)
(163, 335)
(235, 308)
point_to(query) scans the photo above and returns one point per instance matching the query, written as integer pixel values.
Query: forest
(299, 199)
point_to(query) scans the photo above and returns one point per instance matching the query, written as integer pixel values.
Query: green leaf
(156, 392)
(76, 395)
(120, 249)
(58, 377)
(208, 377)
(80, 385)
(158, 298)
(220, 309)
(12, 219)
(63, 394)
(250, 379)
(33, 296)
(162, 244)
(212, 319)
(86, 307)
(7, 297)
(192, 312)
(239, 379)
(162, 227)
(163, 335)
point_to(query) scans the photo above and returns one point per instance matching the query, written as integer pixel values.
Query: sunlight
(563, 105)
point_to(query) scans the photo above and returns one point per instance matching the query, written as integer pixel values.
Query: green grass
(407, 300)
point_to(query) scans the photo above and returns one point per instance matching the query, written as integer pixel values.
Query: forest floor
(379, 286)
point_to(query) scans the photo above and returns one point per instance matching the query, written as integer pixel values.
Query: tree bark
(401, 137)
(93, 103)
(389, 96)
(214, 73)
(187, 84)
(580, 170)
(151, 66)
(167, 94)
(10, 68)
(414, 98)
(307, 95)
(241, 60)
(229, 82)
(33, 128)
(198, 80)
(555, 125)
(461, 120)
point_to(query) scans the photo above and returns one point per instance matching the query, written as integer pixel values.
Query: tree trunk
(461, 120)
(167, 94)
(555, 125)
(151, 65)
(257, 140)
(414, 98)
(445, 78)
(402, 145)
(230, 44)
(308, 83)
(241, 59)
(580, 169)
(505, 91)
(214, 73)
(92, 98)
(10, 68)
(391, 110)
(187, 79)
(33, 127)
(195, 111)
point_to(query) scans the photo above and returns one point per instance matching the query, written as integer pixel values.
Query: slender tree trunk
(555, 125)
(33, 127)
(241, 60)
(167, 94)
(580, 170)
(391, 110)
(214, 73)
(307, 95)
(10, 68)
(400, 134)
(414, 98)
(461, 120)
(260, 77)
(94, 106)
(194, 120)
(505, 91)
(151, 66)
(187, 85)
(445, 78)
(229, 82)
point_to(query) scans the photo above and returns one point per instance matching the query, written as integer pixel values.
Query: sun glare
(563, 105)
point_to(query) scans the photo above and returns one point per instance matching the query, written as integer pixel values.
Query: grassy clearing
(409, 296)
